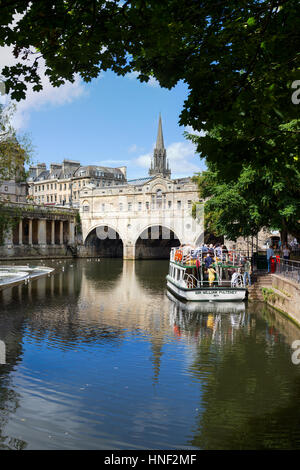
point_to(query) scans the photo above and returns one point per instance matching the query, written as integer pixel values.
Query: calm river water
(99, 357)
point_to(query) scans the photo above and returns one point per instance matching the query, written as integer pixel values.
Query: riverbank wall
(284, 295)
(278, 292)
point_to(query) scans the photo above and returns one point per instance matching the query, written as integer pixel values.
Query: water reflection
(98, 356)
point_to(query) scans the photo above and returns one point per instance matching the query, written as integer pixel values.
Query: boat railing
(191, 281)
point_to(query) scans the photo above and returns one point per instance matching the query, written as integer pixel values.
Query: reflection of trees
(246, 389)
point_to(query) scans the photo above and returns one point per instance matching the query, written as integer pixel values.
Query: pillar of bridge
(128, 250)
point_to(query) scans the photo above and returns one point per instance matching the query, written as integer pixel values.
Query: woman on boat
(211, 275)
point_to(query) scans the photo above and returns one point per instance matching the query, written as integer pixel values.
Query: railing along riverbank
(289, 269)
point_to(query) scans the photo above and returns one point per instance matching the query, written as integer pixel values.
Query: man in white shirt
(286, 252)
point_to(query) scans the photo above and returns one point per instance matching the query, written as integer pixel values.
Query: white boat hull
(206, 294)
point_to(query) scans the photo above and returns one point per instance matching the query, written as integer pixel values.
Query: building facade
(62, 183)
(13, 191)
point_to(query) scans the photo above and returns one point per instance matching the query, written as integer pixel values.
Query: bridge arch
(104, 240)
(155, 242)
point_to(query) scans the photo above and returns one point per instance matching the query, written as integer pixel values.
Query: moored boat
(190, 278)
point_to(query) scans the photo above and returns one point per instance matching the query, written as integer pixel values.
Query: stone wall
(284, 296)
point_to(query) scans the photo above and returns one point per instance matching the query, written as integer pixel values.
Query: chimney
(40, 168)
(54, 167)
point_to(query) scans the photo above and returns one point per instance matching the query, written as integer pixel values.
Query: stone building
(61, 184)
(13, 191)
(38, 231)
(141, 218)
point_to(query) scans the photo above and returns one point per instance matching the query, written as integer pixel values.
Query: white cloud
(190, 130)
(152, 81)
(49, 96)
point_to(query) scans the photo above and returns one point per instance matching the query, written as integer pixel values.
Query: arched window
(159, 199)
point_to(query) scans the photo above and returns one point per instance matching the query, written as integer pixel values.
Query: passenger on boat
(208, 261)
(211, 275)
(204, 248)
(211, 249)
(236, 279)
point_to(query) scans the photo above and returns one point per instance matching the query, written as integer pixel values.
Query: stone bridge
(142, 219)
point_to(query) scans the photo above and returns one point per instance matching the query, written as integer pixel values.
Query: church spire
(160, 165)
(160, 137)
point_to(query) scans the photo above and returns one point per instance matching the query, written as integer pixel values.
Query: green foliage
(15, 152)
(239, 60)
(259, 197)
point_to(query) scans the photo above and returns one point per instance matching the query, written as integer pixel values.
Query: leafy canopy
(239, 58)
(259, 197)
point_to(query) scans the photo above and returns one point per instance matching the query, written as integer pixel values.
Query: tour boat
(187, 277)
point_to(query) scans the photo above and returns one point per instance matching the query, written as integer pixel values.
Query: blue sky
(111, 121)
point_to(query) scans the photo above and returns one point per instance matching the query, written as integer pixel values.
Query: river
(99, 357)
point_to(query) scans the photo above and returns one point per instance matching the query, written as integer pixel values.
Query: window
(158, 198)
(129, 206)
(178, 204)
(120, 206)
(147, 205)
(86, 208)
(139, 206)
(169, 204)
(103, 207)
(5, 188)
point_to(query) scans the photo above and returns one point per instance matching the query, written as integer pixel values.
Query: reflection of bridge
(142, 218)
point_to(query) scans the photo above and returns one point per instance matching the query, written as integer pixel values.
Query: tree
(260, 197)
(239, 58)
(15, 152)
